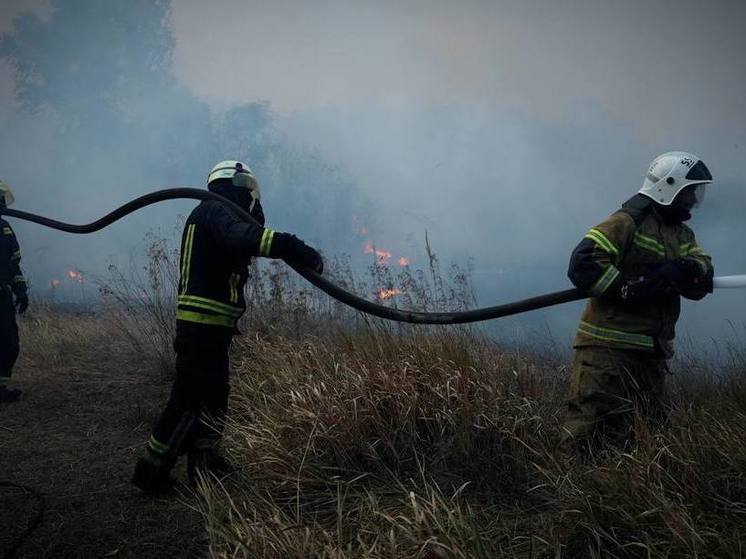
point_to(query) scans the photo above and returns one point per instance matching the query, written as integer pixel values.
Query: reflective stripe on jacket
(216, 249)
(625, 247)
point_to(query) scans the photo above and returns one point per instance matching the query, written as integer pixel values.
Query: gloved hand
(22, 302)
(642, 290)
(291, 249)
(683, 274)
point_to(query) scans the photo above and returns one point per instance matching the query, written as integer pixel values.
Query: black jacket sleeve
(234, 233)
(593, 264)
(253, 240)
(16, 276)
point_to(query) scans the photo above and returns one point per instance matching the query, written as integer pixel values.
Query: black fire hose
(476, 315)
(319, 281)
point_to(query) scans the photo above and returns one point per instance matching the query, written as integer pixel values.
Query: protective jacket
(626, 247)
(10, 260)
(216, 249)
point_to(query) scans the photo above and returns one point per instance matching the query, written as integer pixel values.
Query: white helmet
(671, 172)
(239, 173)
(6, 193)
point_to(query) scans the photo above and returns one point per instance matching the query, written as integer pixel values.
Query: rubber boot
(207, 461)
(151, 479)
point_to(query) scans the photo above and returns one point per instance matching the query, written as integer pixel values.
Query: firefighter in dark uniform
(216, 249)
(636, 266)
(12, 295)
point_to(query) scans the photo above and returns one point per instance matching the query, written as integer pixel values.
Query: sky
(503, 129)
(649, 64)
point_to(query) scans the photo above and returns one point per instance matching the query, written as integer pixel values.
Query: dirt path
(74, 437)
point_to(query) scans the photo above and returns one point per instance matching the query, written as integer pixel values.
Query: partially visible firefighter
(216, 249)
(12, 296)
(636, 265)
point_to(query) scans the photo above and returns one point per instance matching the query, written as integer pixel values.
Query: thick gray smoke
(97, 118)
(502, 130)
(516, 195)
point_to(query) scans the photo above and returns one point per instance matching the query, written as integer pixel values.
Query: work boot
(206, 461)
(151, 479)
(10, 394)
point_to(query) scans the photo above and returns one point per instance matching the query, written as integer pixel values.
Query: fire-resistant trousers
(609, 388)
(8, 334)
(193, 417)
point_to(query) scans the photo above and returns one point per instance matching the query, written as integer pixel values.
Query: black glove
(22, 302)
(683, 275)
(707, 284)
(294, 251)
(642, 290)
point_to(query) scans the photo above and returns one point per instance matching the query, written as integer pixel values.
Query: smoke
(98, 118)
(516, 194)
(502, 130)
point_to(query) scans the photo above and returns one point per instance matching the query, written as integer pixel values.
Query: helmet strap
(673, 214)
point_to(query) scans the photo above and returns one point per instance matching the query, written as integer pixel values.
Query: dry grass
(90, 399)
(442, 445)
(360, 439)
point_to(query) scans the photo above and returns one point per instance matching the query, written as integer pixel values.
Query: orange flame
(75, 276)
(384, 294)
(383, 256)
(403, 261)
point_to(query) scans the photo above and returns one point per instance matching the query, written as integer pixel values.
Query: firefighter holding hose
(636, 266)
(216, 249)
(12, 296)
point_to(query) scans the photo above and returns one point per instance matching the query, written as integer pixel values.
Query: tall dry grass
(357, 438)
(368, 444)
